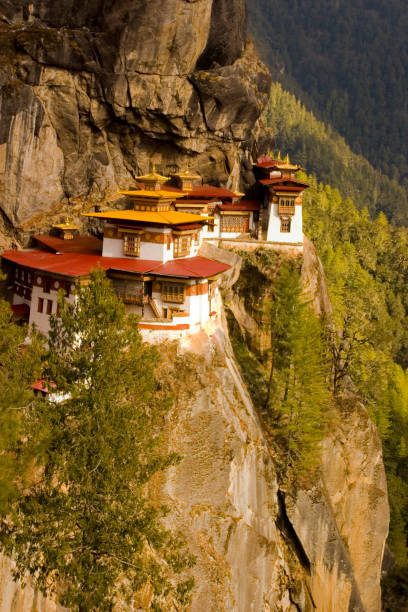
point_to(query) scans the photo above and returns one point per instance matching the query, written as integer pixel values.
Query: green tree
(298, 394)
(86, 527)
(20, 365)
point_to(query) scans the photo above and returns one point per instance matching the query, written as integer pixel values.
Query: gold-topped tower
(153, 181)
(186, 180)
(66, 230)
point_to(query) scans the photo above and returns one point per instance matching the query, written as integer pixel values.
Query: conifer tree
(298, 390)
(86, 526)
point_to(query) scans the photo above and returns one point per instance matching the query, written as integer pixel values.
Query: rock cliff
(92, 92)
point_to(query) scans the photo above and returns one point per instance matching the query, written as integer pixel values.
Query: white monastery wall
(42, 319)
(275, 235)
(113, 247)
(205, 233)
(198, 307)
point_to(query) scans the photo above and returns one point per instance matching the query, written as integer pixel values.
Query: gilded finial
(286, 160)
(279, 156)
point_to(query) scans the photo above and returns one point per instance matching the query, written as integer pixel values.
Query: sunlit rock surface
(91, 92)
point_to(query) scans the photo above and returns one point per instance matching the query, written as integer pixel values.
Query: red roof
(283, 179)
(208, 191)
(75, 265)
(167, 187)
(289, 189)
(241, 205)
(184, 201)
(40, 385)
(82, 244)
(192, 267)
(266, 162)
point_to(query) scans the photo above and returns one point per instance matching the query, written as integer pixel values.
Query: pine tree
(298, 392)
(86, 526)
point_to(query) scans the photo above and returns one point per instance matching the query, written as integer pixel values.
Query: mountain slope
(348, 61)
(324, 153)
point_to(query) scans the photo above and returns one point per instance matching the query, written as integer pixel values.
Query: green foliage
(347, 62)
(288, 382)
(20, 365)
(85, 526)
(325, 154)
(366, 266)
(298, 395)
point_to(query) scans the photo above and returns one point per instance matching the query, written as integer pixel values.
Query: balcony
(286, 209)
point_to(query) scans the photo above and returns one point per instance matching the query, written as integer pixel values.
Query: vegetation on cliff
(83, 525)
(289, 379)
(366, 266)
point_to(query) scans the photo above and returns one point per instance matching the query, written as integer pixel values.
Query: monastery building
(151, 249)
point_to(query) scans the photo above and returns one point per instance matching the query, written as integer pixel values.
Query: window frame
(241, 224)
(179, 249)
(133, 237)
(285, 223)
(177, 293)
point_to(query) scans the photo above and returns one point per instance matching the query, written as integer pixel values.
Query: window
(40, 306)
(49, 307)
(131, 245)
(47, 285)
(285, 226)
(182, 245)
(235, 223)
(173, 292)
(287, 206)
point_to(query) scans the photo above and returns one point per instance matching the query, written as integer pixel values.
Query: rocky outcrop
(92, 92)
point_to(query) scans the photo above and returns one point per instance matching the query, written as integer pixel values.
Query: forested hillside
(366, 265)
(326, 154)
(348, 61)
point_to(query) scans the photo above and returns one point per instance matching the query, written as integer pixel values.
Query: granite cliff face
(91, 92)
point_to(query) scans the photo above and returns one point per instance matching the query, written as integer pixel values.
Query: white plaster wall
(113, 247)
(199, 308)
(206, 234)
(41, 319)
(296, 231)
(18, 299)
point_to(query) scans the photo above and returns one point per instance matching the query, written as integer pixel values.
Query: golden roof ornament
(186, 174)
(153, 180)
(67, 225)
